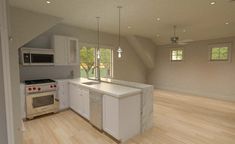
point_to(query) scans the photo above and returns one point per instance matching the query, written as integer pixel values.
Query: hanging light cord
(174, 30)
(98, 32)
(119, 37)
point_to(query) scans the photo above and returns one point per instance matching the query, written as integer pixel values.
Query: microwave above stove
(36, 56)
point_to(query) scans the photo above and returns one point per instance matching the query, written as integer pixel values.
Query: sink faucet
(98, 70)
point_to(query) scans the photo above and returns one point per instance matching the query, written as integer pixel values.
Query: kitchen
(115, 71)
(49, 66)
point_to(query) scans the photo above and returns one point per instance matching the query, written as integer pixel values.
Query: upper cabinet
(66, 50)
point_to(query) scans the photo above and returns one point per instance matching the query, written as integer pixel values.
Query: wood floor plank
(178, 119)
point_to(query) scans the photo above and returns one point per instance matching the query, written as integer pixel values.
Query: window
(106, 62)
(88, 60)
(220, 52)
(177, 55)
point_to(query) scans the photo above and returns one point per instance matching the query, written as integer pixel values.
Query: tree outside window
(88, 60)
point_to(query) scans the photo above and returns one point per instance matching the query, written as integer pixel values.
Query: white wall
(195, 75)
(3, 129)
(129, 67)
(26, 25)
(145, 48)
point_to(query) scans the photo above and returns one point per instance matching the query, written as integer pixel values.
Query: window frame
(220, 45)
(176, 49)
(92, 45)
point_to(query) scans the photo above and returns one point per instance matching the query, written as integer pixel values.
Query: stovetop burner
(39, 81)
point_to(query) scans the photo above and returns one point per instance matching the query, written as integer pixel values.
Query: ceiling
(195, 19)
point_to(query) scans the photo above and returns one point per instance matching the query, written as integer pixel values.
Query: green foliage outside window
(219, 53)
(88, 62)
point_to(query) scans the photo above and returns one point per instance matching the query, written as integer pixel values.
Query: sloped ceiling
(26, 25)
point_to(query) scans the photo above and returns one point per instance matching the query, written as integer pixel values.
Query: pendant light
(98, 49)
(98, 37)
(119, 50)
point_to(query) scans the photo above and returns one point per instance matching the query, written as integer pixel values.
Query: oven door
(41, 103)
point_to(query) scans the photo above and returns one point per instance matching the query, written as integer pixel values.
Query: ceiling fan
(175, 39)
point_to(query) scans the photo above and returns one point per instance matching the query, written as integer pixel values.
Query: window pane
(174, 57)
(105, 62)
(174, 53)
(177, 55)
(224, 53)
(180, 52)
(87, 62)
(219, 53)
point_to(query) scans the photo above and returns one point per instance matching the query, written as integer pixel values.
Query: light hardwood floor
(178, 119)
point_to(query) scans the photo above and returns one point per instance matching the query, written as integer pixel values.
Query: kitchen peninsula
(121, 109)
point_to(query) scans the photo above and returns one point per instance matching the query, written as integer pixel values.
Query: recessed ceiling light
(227, 23)
(212, 3)
(184, 30)
(158, 19)
(129, 27)
(48, 2)
(158, 35)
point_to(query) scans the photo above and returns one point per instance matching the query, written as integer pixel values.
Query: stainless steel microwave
(36, 56)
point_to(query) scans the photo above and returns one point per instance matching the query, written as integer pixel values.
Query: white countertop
(108, 88)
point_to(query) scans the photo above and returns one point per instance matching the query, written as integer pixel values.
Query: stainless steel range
(41, 97)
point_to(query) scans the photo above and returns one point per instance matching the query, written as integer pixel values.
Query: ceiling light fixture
(184, 30)
(158, 19)
(129, 27)
(119, 50)
(158, 35)
(212, 3)
(48, 2)
(227, 23)
(98, 48)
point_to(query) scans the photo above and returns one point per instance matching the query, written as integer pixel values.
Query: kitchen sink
(91, 83)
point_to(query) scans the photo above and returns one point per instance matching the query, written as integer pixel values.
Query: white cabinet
(73, 96)
(86, 103)
(79, 100)
(63, 94)
(121, 116)
(66, 50)
(111, 115)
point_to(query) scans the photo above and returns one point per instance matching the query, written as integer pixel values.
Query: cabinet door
(111, 115)
(86, 101)
(60, 44)
(74, 97)
(79, 100)
(63, 94)
(73, 51)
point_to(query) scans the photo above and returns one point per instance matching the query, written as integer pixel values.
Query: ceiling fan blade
(182, 43)
(185, 41)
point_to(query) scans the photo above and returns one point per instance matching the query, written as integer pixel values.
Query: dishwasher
(96, 109)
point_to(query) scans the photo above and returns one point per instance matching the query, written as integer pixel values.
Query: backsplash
(52, 72)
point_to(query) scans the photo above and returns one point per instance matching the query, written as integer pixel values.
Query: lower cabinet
(63, 94)
(73, 97)
(86, 103)
(121, 116)
(79, 100)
